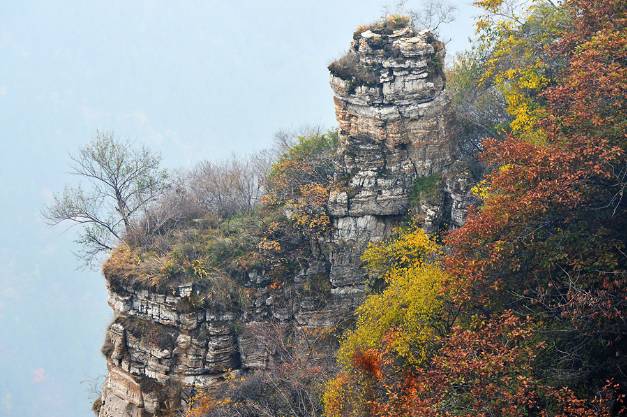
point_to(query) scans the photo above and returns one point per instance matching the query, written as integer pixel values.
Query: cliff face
(393, 117)
(396, 158)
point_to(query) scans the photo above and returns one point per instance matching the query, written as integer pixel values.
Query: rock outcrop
(396, 159)
(396, 151)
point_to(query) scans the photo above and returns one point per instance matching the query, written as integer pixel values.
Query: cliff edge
(396, 161)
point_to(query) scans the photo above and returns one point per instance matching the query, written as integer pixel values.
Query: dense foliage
(301, 178)
(524, 311)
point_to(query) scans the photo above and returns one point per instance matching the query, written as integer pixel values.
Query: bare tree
(431, 14)
(229, 187)
(120, 183)
(174, 206)
(478, 107)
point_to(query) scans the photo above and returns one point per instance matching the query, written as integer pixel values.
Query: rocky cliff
(396, 160)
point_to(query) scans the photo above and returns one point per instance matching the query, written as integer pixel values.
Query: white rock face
(392, 109)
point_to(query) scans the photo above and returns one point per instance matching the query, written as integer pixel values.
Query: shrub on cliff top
(299, 181)
(220, 254)
(311, 159)
(385, 26)
(351, 70)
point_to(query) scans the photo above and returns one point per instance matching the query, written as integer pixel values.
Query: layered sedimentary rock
(393, 117)
(396, 159)
(160, 344)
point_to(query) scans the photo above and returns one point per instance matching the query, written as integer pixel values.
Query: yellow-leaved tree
(404, 319)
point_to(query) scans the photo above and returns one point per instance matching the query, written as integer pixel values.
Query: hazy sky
(192, 79)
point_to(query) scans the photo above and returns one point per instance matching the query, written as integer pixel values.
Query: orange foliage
(369, 361)
(483, 371)
(310, 208)
(550, 236)
(202, 403)
(549, 242)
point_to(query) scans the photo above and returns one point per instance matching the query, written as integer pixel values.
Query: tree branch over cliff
(121, 183)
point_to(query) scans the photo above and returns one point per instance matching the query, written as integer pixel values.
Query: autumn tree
(549, 238)
(402, 323)
(301, 178)
(482, 368)
(534, 282)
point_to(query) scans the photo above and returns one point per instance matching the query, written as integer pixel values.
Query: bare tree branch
(121, 182)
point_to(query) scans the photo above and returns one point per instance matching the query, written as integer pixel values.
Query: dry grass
(349, 68)
(385, 26)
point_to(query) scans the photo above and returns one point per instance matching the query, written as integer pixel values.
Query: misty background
(193, 80)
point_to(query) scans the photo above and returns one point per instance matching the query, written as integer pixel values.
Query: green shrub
(425, 188)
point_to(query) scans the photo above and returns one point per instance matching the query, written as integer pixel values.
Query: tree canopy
(529, 303)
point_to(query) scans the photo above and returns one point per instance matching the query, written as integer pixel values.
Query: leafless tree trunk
(121, 182)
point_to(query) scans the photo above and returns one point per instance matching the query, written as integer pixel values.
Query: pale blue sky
(192, 79)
